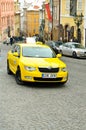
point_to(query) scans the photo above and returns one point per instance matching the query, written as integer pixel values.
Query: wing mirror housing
(59, 55)
(16, 54)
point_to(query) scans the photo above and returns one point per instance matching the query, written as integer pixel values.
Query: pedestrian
(11, 40)
(8, 41)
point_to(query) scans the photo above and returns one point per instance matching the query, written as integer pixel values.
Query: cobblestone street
(43, 106)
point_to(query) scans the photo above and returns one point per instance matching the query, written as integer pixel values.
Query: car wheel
(8, 68)
(61, 52)
(74, 54)
(18, 77)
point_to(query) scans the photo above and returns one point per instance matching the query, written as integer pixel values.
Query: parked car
(17, 39)
(36, 63)
(54, 45)
(59, 43)
(73, 49)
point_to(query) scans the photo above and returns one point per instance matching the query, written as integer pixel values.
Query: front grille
(47, 79)
(49, 70)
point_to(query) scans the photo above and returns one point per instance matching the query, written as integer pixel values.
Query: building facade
(6, 18)
(73, 20)
(17, 28)
(52, 19)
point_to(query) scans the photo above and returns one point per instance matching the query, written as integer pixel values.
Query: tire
(18, 77)
(74, 55)
(8, 68)
(62, 83)
(61, 52)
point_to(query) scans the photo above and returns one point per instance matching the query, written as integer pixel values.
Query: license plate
(48, 75)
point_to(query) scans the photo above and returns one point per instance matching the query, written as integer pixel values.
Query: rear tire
(8, 68)
(18, 77)
(61, 52)
(74, 55)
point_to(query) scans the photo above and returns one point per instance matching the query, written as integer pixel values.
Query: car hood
(43, 62)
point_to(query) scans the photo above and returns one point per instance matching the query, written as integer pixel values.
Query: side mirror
(59, 55)
(16, 54)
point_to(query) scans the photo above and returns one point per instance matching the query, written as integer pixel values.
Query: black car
(58, 43)
(55, 45)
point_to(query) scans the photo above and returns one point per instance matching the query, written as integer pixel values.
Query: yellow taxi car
(35, 63)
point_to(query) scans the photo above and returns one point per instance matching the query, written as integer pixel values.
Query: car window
(38, 52)
(51, 43)
(16, 48)
(79, 46)
(58, 43)
(66, 45)
(72, 46)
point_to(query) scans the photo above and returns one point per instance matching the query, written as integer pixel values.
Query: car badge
(49, 67)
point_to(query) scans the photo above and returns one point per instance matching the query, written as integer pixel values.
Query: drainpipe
(52, 19)
(59, 10)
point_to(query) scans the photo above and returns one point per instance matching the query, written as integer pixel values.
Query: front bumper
(37, 77)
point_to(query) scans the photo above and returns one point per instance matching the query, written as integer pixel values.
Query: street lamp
(78, 19)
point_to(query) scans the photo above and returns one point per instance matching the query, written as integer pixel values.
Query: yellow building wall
(66, 19)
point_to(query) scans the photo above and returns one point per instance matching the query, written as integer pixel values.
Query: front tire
(18, 77)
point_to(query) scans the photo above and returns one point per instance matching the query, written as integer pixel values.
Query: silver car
(73, 49)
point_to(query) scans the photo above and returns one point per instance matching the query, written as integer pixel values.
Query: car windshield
(39, 52)
(79, 46)
(58, 43)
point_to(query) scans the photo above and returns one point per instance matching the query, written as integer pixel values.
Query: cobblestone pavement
(43, 106)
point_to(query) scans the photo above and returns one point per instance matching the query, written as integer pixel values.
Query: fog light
(28, 77)
(65, 78)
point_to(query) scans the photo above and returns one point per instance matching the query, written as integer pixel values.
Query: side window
(16, 48)
(13, 49)
(51, 45)
(66, 45)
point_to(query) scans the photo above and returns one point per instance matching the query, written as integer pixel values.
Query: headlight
(78, 52)
(29, 68)
(64, 69)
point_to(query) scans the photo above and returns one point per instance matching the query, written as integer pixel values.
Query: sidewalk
(5, 47)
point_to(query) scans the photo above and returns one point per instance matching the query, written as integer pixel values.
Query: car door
(65, 49)
(15, 59)
(69, 50)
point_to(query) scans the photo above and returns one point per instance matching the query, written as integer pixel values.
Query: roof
(39, 44)
(34, 4)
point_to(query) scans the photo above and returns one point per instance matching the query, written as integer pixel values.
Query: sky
(34, 2)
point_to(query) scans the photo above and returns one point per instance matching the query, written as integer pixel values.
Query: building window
(79, 4)
(73, 7)
(67, 4)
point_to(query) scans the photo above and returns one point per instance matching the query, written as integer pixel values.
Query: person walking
(8, 41)
(11, 40)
